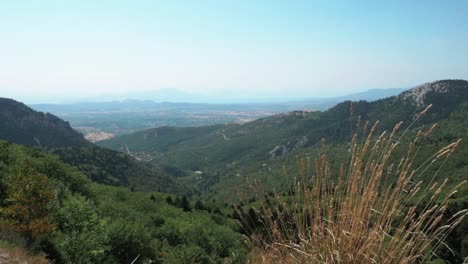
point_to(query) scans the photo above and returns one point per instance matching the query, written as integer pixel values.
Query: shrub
(82, 235)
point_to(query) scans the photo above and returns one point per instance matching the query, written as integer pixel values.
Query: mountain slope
(218, 150)
(103, 224)
(292, 130)
(21, 125)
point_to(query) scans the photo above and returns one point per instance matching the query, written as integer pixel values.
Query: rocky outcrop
(278, 151)
(418, 93)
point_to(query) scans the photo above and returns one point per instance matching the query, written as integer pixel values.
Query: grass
(19, 255)
(372, 210)
(13, 248)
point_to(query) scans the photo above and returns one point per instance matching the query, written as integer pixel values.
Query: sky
(58, 50)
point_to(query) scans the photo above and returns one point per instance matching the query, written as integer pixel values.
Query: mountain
(373, 94)
(21, 125)
(175, 95)
(225, 152)
(327, 102)
(254, 162)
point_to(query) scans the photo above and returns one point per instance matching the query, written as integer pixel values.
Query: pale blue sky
(57, 49)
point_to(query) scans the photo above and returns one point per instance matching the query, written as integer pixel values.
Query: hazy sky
(57, 49)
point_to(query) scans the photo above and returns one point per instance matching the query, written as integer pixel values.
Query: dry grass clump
(371, 211)
(10, 254)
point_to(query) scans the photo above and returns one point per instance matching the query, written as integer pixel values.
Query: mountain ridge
(25, 126)
(218, 151)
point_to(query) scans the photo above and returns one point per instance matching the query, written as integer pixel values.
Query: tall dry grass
(372, 210)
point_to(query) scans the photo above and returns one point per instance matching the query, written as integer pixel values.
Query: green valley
(235, 153)
(206, 194)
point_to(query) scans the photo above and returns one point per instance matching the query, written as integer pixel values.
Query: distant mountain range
(175, 95)
(172, 95)
(101, 120)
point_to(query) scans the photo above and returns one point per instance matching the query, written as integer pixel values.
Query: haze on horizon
(63, 50)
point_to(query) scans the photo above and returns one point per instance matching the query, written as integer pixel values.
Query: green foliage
(82, 235)
(184, 204)
(102, 224)
(169, 233)
(97, 223)
(128, 242)
(233, 155)
(22, 125)
(115, 168)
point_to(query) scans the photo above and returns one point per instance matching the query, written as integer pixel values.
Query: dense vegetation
(50, 207)
(231, 155)
(22, 125)
(115, 168)
(53, 198)
(25, 126)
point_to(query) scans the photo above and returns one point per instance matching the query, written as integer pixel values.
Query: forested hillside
(51, 208)
(22, 125)
(229, 155)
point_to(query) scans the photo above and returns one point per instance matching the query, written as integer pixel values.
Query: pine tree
(185, 204)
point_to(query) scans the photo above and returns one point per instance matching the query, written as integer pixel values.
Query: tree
(82, 235)
(169, 200)
(184, 204)
(30, 198)
(177, 201)
(199, 205)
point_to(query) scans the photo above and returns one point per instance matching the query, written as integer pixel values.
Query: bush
(128, 242)
(82, 237)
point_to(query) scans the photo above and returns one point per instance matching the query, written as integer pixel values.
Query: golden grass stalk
(370, 211)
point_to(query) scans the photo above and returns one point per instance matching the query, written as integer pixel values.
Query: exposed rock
(418, 94)
(278, 151)
(301, 142)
